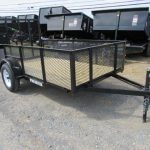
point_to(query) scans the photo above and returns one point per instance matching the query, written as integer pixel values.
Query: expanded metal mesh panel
(57, 67)
(120, 55)
(13, 51)
(28, 53)
(8, 50)
(32, 62)
(82, 67)
(70, 45)
(67, 45)
(103, 60)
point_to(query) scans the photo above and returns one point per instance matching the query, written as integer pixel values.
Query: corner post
(72, 72)
(115, 57)
(43, 64)
(91, 66)
(21, 59)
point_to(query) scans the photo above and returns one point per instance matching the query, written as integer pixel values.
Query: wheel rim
(6, 77)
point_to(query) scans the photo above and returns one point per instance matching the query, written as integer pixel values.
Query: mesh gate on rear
(12, 51)
(103, 60)
(82, 67)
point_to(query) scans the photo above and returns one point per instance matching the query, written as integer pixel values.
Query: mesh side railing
(82, 67)
(66, 45)
(8, 50)
(71, 44)
(12, 51)
(57, 68)
(69, 69)
(32, 62)
(103, 60)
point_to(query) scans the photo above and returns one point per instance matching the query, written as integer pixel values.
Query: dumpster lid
(121, 9)
(70, 14)
(21, 17)
(10, 17)
(54, 8)
(61, 7)
(7, 18)
(31, 16)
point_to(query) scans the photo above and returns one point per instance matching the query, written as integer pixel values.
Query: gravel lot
(50, 119)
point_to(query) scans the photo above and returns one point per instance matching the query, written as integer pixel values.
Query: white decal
(74, 23)
(135, 20)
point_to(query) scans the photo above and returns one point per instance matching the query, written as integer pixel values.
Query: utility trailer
(43, 12)
(132, 25)
(71, 65)
(69, 26)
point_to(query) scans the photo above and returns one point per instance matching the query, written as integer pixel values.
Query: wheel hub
(7, 79)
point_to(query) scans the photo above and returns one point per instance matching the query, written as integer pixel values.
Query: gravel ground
(50, 119)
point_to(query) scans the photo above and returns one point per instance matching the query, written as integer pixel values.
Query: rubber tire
(15, 83)
(147, 53)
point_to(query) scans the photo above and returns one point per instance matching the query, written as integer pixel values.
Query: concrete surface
(50, 119)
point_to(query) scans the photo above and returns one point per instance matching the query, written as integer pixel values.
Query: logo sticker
(135, 20)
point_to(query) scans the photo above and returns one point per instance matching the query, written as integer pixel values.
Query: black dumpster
(23, 26)
(33, 27)
(12, 25)
(3, 31)
(7, 28)
(72, 25)
(132, 25)
(49, 11)
(7, 25)
(28, 28)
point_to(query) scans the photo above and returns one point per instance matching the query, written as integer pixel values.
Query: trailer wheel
(9, 79)
(148, 50)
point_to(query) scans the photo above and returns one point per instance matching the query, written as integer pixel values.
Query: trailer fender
(13, 64)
